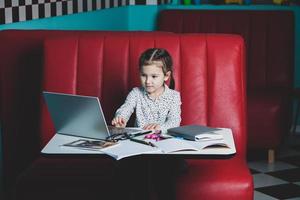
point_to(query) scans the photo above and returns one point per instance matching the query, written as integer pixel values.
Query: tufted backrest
(209, 73)
(268, 35)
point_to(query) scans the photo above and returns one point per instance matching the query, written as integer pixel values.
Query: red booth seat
(269, 38)
(209, 73)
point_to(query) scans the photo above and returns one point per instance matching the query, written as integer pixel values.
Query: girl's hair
(152, 55)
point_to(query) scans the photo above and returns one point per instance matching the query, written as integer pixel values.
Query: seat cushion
(265, 118)
(208, 179)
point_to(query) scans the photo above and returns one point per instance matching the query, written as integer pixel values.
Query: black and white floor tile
(280, 180)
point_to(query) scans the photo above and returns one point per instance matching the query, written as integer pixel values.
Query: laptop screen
(77, 115)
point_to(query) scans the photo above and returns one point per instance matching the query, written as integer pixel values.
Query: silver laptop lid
(77, 115)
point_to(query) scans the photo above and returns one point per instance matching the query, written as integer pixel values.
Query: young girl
(156, 105)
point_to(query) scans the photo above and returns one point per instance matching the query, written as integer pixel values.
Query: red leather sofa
(269, 38)
(209, 73)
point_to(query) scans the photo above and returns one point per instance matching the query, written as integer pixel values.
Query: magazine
(90, 144)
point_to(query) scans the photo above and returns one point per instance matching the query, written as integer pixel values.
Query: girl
(156, 105)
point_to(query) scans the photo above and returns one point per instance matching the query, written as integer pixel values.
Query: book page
(174, 145)
(128, 148)
(209, 136)
(214, 144)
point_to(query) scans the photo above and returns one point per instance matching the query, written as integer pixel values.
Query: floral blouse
(164, 110)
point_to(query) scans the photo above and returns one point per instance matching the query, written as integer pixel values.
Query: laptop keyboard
(117, 130)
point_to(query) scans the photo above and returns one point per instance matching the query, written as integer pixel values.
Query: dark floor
(280, 180)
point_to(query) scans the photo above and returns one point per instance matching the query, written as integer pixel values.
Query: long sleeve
(126, 110)
(165, 111)
(174, 115)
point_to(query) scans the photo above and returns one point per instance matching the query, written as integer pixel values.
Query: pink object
(154, 136)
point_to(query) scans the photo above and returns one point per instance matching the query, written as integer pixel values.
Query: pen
(141, 133)
(142, 142)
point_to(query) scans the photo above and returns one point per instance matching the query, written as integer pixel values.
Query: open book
(172, 145)
(139, 146)
(196, 133)
(212, 144)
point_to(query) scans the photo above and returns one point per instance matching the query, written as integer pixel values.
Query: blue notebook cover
(195, 132)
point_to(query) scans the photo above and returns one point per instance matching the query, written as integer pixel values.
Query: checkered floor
(280, 180)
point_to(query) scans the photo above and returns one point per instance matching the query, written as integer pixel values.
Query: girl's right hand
(119, 122)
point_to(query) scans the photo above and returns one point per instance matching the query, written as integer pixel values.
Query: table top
(55, 147)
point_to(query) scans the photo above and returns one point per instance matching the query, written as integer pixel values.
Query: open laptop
(81, 116)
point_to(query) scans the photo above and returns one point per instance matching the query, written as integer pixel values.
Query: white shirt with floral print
(164, 110)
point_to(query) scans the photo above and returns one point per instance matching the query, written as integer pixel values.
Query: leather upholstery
(269, 38)
(209, 73)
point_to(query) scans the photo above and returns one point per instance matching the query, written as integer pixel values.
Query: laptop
(82, 116)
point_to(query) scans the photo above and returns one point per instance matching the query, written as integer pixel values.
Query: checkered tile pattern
(22, 10)
(280, 180)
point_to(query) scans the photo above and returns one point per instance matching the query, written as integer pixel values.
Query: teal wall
(106, 19)
(142, 17)
(119, 19)
(138, 18)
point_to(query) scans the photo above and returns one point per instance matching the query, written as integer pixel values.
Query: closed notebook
(196, 132)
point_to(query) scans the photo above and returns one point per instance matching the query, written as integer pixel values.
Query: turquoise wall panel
(142, 17)
(106, 19)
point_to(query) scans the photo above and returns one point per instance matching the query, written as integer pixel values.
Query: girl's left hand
(152, 127)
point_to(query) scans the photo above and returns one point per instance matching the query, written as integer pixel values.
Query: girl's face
(153, 78)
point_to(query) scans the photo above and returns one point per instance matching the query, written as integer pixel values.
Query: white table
(54, 147)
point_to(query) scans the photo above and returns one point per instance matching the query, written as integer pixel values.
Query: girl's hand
(119, 122)
(152, 126)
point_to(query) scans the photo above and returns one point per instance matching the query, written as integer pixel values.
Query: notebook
(196, 132)
(82, 116)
